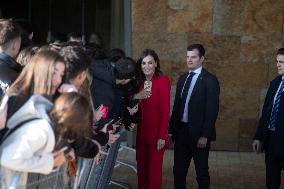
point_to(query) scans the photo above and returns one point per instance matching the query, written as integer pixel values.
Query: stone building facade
(240, 37)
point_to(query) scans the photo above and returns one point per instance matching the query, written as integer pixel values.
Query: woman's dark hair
(280, 51)
(149, 52)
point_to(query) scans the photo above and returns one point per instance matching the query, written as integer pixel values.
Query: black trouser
(274, 164)
(184, 150)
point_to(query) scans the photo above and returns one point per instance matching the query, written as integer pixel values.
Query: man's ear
(202, 59)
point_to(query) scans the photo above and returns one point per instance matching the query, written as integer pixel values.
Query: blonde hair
(36, 77)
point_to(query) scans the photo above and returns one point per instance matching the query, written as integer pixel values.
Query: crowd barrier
(88, 176)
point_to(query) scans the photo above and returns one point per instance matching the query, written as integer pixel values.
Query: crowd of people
(66, 100)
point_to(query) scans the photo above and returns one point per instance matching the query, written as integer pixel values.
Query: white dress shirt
(191, 87)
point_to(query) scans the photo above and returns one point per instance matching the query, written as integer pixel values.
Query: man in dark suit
(270, 131)
(194, 114)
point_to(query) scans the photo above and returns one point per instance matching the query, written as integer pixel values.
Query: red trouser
(149, 166)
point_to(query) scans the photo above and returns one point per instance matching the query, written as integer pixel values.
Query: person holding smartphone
(154, 109)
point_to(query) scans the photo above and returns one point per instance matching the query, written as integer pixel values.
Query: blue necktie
(273, 116)
(185, 93)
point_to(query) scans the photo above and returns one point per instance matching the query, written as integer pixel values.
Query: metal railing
(88, 175)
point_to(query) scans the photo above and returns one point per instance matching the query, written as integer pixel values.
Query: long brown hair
(36, 77)
(72, 115)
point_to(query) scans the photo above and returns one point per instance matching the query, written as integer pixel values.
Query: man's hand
(201, 143)
(256, 145)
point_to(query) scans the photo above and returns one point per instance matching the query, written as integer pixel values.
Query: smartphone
(118, 122)
(148, 85)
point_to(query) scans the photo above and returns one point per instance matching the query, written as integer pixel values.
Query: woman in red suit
(154, 108)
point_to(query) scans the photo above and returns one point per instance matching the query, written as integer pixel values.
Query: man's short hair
(280, 51)
(198, 47)
(9, 31)
(125, 68)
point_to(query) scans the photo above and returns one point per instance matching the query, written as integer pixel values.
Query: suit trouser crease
(185, 149)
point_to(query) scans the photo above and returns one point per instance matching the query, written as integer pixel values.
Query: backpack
(5, 132)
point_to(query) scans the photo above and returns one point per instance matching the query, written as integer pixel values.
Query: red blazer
(154, 112)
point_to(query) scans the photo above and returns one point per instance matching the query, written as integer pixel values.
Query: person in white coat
(29, 148)
(41, 77)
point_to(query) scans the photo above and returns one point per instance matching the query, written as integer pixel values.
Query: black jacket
(9, 71)
(123, 99)
(262, 132)
(203, 106)
(102, 88)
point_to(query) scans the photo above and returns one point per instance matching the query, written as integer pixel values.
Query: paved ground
(234, 170)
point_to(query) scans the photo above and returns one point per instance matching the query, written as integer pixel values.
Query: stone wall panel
(149, 16)
(197, 17)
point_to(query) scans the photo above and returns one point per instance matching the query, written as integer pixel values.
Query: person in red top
(154, 109)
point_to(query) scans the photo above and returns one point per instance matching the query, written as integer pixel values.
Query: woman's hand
(143, 94)
(133, 110)
(3, 112)
(160, 144)
(59, 159)
(105, 127)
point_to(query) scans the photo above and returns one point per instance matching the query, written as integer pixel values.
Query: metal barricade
(88, 176)
(55, 180)
(92, 176)
(116, 181)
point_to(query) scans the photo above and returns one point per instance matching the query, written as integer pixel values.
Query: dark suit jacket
(203, 106)
(262, 130)
(103, 83)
